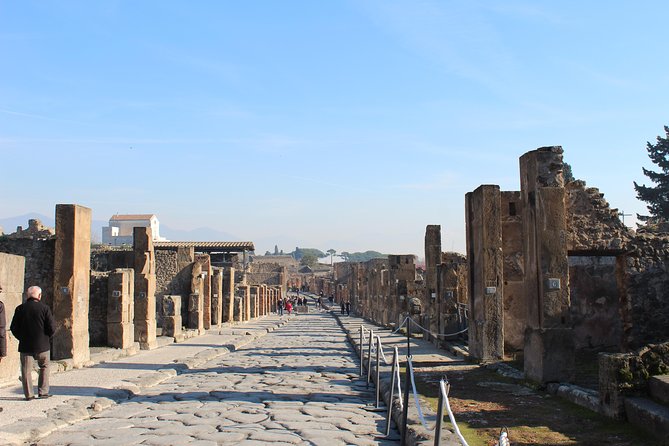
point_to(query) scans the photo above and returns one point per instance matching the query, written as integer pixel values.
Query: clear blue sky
(345, 124)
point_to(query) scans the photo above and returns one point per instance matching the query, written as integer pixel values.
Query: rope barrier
(444, 391)
(435, 335)
(503, 437)
(415, 397)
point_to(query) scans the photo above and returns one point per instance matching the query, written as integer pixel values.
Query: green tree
(331, 252)
(309, 260)
(656, 196)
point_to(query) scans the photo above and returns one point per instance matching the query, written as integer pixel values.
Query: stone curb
(82, 408)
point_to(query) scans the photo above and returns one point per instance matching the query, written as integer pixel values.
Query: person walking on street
(279, 307)
(289, 307)
(348, 308)
(343, 308)
(33, 326)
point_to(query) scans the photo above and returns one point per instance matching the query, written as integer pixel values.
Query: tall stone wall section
(515, 298)
(145, 288)
(97, 309)
(72, 269)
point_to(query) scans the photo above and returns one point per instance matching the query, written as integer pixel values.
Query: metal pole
(378, 373)
(393, 383)
(440, 416)
(407, 385)
(362, 358)
(369, 357)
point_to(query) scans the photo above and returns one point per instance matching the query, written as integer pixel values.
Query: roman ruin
(550, 272)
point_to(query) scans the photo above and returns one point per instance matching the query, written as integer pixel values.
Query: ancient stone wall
(645, 308)
(39, 257)
(515, 299)
(173, 278)
(97, 309)
(11, 280)
(110, 259)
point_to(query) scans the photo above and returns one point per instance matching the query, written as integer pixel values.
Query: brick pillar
(71, 283)
(12, 270)
(217, 298)
(145, 288)
(549, 341)
(172, 322)
(121, 308)
(484, 254)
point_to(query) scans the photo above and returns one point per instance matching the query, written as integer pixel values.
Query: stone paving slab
(295, 386)
(81, 393)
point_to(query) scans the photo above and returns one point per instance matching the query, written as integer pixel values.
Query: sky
(340, 124)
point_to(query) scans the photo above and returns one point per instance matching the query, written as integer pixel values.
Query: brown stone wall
(39, 258)
(595, 302)
(97, 309)
(104, 259)
(645, 307)
(173, 277)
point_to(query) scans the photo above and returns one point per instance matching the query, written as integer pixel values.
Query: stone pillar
(172, 322)
(229, 295)
(549, 341)
(121, 308)
(217, 298)
(484, 254)
(245, 303)
(515, 303)
(205, 274)
(432, 260)
(196, 300)
(145, 288)
(12, 270)
(71, 283)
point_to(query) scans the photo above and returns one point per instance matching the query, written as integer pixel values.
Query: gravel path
(298, 385)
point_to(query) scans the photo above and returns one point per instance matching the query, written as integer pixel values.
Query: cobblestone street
(297, 385)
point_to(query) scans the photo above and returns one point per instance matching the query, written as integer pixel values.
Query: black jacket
(33, 326)
(3, 331)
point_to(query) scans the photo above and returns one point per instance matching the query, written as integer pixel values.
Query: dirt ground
(484, 402)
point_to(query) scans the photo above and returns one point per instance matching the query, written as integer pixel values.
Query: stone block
(648, 416)
(121, 334)
(12, 269)
(658, 387)
(145, 334)
(171, 306)
(195, 312)
(549, 355)
(172, 326)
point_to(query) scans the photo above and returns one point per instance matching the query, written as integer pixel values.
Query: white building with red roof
(120, 229)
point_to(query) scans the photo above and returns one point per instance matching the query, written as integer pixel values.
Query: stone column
(121, 308)
(205, 261)
(71, 284)
(196, 300)
(432, 260)
(12, 270)
(229, 302)
(247, 303)
(484, 254)
(172, 322)
(549, 341)
(145, 288)
(217, 298)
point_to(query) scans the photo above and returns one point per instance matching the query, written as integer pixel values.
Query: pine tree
(657, 196)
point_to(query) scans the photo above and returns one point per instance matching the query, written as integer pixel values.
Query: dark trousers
(26, 372)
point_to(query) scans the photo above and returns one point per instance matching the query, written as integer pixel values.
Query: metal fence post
(369, 356)
(440, 415)
(393, 383)
(378, 372)
(362, 355)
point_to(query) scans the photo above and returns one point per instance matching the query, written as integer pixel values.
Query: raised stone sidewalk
(81, 393)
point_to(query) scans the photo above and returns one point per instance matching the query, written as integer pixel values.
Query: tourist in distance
(348, 308)
(279, 307)
(33, 326)
(289, 307)
(343, 307)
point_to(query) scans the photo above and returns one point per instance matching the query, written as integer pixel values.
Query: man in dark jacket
(33, 326)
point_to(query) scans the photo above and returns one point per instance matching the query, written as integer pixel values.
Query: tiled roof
(133, 217)
(208, 246)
